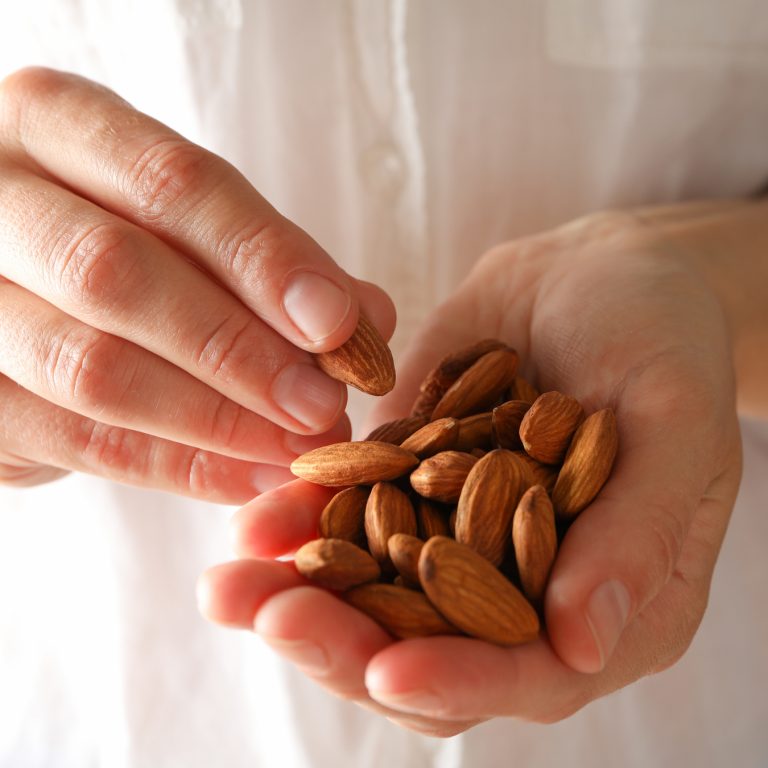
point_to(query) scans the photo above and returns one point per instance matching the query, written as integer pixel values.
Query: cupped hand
(605, 310)
(157, 315)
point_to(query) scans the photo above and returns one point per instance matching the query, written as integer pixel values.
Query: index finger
(140, 169)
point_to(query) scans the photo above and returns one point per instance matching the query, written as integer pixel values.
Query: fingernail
(304, 653)
(308, 395)
(607, 612)
(421, 701)
(316, 306)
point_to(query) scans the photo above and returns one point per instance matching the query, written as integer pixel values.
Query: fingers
(141, 170)
(113, 381)
(280, 521)
(627, 544)
(116, 277)
(38, 433)
(232, 593)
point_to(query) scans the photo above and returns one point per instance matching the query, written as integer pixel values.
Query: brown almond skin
(356, 463)
(387, 512)
(480, 386)
(431, 519)
(475, 432)
(506, 420)
(364, 361)
(396, 431)
(440, 378)
(535, 541)
(335, 564)
(522, 389)
(487, 504)
(548, 426)
(404, 551)
(439, 435)
(473, 595)
(402, 612)
(536, 472)
(587, 464)
(343, 516)
(441, 477)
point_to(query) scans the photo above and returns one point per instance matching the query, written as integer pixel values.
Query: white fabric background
(407, 137)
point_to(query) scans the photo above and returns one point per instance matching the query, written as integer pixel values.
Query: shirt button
(383, 168)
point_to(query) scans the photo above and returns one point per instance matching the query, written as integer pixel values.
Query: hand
(605, 310)
(156, 314)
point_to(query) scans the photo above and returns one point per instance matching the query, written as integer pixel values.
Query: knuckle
(108, 446)
(225, 422)
(665, 534)
(194, 475)
(95, 266)
(166, 171)
(225, 349)
(247, 253)
(80, 367)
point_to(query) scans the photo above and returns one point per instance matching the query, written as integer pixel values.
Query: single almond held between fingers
(335, 564)
(535, 541)
(548, 426)
(404, 551)
(388, 511)
(397, 430)
(439, 435)
(487, 503)
(343, 516)
(480, 386)
(364, 361)
(402, 612)
(587, 464)
(475, 596)
(441, 477)
(445, 373)
(355, 463)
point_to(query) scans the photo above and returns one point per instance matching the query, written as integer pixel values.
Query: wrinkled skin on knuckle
(96, 266)
(167, 170)
(85, 368)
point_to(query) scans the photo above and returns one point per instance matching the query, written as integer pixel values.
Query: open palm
(603, 310)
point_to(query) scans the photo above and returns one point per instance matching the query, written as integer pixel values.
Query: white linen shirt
(407, 138)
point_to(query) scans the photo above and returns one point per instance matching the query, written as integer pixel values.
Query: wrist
(725, 243)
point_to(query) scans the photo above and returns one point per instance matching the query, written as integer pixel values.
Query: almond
(431, 519)
(344, 514)
(404, 551)
(335, 564)
(402, 612)
(357, 463)
(480, 386)
(475, 432)
(546, 430)
(522, 389)
(397, 430)
(364, 361)
(587, 464)
(535, 541)
(536, 472)
(440, 378)
(387, 512)
(473, 595)
(439, 435)
(441, 477)
(487, 504)
(507, 418)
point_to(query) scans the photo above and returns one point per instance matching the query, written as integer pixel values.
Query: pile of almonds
(448, 521)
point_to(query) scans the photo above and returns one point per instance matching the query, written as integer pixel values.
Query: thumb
(622, 550)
